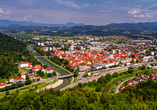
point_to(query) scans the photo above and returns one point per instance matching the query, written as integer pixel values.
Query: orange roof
(48, 68)
(22, 74)
(24, 63)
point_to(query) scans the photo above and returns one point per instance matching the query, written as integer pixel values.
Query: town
(88, 55)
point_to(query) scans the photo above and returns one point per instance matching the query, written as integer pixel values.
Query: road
(111, 71)
(96, 77)
(117, 89)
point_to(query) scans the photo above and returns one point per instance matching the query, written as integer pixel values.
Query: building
(12, 80)
(2, 85)
(19, 80)
(23, 75)
(49, 70)
(23, 64)
(37, 67)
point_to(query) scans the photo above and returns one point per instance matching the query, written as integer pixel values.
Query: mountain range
(8, 23)
(145, 25)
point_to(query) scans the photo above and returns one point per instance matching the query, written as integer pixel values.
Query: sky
(89, 12)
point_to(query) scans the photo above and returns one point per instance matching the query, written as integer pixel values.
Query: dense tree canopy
(12, 52)
(138, 97)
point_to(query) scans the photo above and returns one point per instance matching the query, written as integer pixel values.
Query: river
(44, 61)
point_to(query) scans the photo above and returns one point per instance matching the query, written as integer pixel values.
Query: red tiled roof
(2, 84)
(24, 63)
(121, 86)
(19, 78)
(48, 68)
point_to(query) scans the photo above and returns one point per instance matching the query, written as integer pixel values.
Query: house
(19, 80)
(37, 67)
(2, 85)
(49, 70)
(23, 64)
(30, 66)
(12, 80)
(130, 82)
(37, 78)
(121, 87)
(23, 75)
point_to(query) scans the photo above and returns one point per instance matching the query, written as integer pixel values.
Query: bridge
(65, 76)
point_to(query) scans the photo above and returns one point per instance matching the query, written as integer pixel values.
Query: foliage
(115, 74)
(40, 73)
(27, 82)
(13, 86)
(7, 93)
(130, 70)
(76, 72)
(142, 96)
(143, 67)
(132, 61)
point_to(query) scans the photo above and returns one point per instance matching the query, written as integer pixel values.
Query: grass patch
(90, 88)
(54, 81)
(44, 85)
(23, 70)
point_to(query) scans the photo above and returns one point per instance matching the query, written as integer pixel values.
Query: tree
(132, 61)
(98, 88)
(45, 66)
(30, 71)
(54, 73)
(27, 82)
(146, 72)
(27, 77)
(7, 93)
(80, 85)
(17, 91)
(108, 77)
(130, 70)
(49, 75)
(76, 72)
(120, 63)
(137, 61)
(143, 67)
(40, 73)
(147, 52)
(115, 74)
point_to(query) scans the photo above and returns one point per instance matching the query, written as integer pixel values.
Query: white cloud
(1, 11)
(133, 12)
(68, 3)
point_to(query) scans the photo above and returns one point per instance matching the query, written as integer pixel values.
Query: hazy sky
(90, 12)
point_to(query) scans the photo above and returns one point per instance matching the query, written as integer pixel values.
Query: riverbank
(56, 84)
(45, 57)
(56, 65)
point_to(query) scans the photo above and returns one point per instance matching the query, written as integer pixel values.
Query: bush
(115, 74)
(120, 74)
(7, 93)
(28, 82)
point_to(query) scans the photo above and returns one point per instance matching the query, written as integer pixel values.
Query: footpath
(58, 83)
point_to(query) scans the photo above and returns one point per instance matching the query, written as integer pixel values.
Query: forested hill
(141, 97)
(12, 52)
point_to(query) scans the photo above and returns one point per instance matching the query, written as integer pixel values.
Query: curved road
(117, 89)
